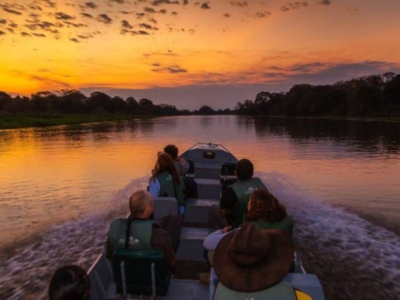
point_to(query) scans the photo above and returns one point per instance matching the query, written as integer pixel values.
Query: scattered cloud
(90, 5)
(293, 5)
(86, 15)
(185, 2)
(23, 33)
(76, 25)
(39, 34)
(75, 40)
(239, 3)
(2, 33)
(174, 69)
(147, 26)
(63, 16)
(325, 2)
(205, 6)
(125, 24)
(104, 18)
(11, 11)
(118, 1)
(263, 14)
(159, 2)
(3, 21)
(226, 15)
(134, 32)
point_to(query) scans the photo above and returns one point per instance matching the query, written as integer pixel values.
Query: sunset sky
(189, 53)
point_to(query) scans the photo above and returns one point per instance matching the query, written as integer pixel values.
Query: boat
(211, 167)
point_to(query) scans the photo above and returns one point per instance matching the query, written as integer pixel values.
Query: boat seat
(190, 173)
(227, 171)
(165, 206)
(140, 272)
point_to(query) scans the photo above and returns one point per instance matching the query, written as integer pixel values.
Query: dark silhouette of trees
(368, 95)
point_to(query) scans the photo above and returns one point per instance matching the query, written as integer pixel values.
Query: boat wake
(26, 275)
(353, 258)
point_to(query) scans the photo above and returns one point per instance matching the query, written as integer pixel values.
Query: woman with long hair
(266, 212)
(166, 181)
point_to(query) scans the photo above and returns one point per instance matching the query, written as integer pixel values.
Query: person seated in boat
(166, 182)
(233, 205)
(264, 211)
(251, 263)
(180, 163)
(164, 236)
(69, 282)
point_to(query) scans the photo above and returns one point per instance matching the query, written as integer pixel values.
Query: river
(60, 187)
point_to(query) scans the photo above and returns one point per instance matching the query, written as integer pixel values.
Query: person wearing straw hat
(251, 263)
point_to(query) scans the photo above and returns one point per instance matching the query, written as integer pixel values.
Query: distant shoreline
(19, 121)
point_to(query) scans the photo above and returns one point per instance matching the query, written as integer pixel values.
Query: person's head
(244, 169)
(264, 206)
(69, 282)
(172, 150)
(251, 259)
(141, 204)
(165, 163)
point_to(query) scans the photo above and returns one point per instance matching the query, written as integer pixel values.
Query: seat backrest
(143, 272)
(227, 171)
(165, 206)
(190, 172)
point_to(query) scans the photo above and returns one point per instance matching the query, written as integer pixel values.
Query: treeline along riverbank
(369, 96)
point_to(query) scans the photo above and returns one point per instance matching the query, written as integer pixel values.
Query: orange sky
(189, 53)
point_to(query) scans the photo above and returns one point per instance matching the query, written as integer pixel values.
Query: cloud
(104, 18)
(147, 26)
(35, 7)
(205, 6)
(76, 25)
(174, 69)
(118, 1)
(226, 15)
(25, 33)
(325, 2)
(293, 5)
(149, 10)
(90, 5)
(3, 21)
(185, 2)
(2, 33)
(125, 24)
(11, 11)
(86, 15)
(39, 34)
(159, 2)
(63, 16)
(263, 14)
(134, 32)
(75, 40)
(174, 13)
(239, 3)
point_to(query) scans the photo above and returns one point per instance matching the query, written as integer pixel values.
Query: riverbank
(14, 121)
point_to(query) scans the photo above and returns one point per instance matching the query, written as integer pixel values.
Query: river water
(60, 188)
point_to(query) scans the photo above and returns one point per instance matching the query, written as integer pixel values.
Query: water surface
(60, 187)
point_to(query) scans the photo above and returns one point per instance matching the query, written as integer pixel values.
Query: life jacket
(131, 234)
(280, 291)
(243, 190)
(285, 225)
(168, 187)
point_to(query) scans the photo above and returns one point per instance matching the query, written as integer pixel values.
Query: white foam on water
(26, 275)
(340, 235)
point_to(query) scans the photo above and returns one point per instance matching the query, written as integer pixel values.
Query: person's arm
(228, 201)
(154, 187)
(212, 240)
